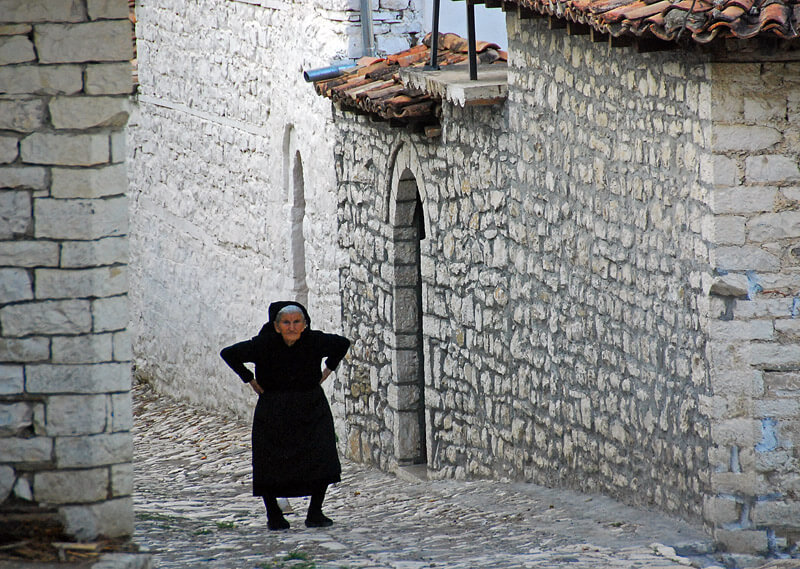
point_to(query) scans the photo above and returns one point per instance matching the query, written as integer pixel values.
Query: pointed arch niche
(410, 229)
(294, 185)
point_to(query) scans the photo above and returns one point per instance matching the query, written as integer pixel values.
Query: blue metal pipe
(324, 73)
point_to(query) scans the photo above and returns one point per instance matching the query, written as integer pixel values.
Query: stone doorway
(407, 390)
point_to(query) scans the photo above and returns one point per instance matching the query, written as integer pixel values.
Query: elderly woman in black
(294, 444)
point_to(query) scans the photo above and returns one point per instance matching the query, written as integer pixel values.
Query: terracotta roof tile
(374, 85)
(703, 20)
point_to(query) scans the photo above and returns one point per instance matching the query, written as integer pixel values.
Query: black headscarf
(274, 308)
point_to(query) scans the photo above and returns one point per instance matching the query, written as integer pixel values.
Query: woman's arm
(236, 356)
(334, 347)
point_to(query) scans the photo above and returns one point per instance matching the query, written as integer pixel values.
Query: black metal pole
(435, 37)
(473, 56)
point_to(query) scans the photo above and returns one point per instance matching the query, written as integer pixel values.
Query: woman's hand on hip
(256, 387)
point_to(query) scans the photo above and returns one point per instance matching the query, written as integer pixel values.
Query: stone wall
(753, 336)
(65, 410)
(562, 270)
(233, 192)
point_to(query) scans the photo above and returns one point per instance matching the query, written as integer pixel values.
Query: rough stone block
(743, 483)
(99, 378)
(32, 11)
(403, 397)
(771, 168)
(29, 253)
(16, 49)
(81, 219)
(9, 149)
(52, 317)
(744, 259)
(122, 480)
(718, 511)
(741, 541)
(107, 9)
(22, 115)
(744, 138)
(92, 348)
(123, 347)
(736, 331)
(41, 80)
(36, 449)
(785, 408)
(69, 415)
(12, 380)
(405, 310)
(726, 171)
(110, 314)
(774, 226)
(725, 230)
(775, 356)
(109, 251)
(15, 213)
(113, 518)
(31, 177)
(76, 283)
(15, 285)
(740, 432)
(65, 149)
(14, 417)
(743, 200)
(89, 182)
(93, 450)
(71, 486)
(108, 40)
(89, 112)
(109, 79)
(119, 145)
(8, 478)
(27, 350)
(777, 514)
(405, 366)
(122, 412)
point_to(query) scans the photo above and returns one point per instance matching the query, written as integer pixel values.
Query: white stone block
(36, 449)
(113, 518)
(52, 317)
(774, 226)
(736, 331)
(109, 79)
(775, 356)
(726, 171)
(65, 149)
(81, 219)
(16, 49)
(93, 348)
(93, 450)
(71, 486)
(743, 200)
(15, 285)
(9, 149)
(29, 253)
(107, 9)
(22, 115)
(771, 168)
(15, 213)
(119, 152)
(108, 40)
(14, 417)
(744, 259)
(12, 380)
(123, 348)
(76, 283)
(89, 182)
(744, 138)
(122, 480)
(81, 113)
(98, 378)
(8, 478)
(27, 350)
(725, 230)
(108, 251)
(31, 177)
(22, 489)
(110, 314)
(69, 415)
(32, 11)
(43, 80)
(122, 412)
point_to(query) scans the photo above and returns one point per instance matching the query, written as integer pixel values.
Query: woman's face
(290, 326)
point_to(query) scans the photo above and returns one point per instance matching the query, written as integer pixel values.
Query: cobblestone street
(194, 509)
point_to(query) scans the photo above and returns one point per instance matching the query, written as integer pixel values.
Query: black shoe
(318, 520)
(278, 524)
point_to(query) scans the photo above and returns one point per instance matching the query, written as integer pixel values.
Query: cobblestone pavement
(194, 509)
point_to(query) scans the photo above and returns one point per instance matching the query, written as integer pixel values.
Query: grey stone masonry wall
(754, 352)
(607, 280)
(232, 183)
(563, 313)
(65, 409)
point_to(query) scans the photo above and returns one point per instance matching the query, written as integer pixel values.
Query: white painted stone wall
(218, 229)
(65, 409)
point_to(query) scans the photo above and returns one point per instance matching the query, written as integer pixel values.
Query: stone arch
(294, 187)
(410, 227)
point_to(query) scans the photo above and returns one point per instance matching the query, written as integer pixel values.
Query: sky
(490, 24)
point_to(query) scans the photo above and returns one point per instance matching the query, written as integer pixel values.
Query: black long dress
(294, 442)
